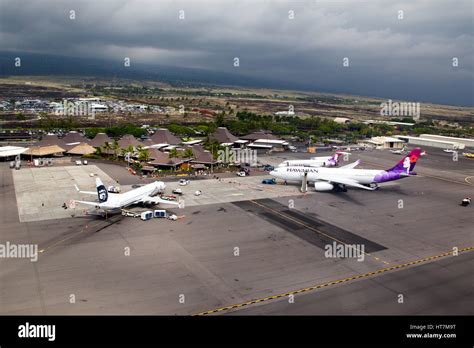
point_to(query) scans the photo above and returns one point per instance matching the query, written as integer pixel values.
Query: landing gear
(340, 188)
(304, 183)
(374, 186)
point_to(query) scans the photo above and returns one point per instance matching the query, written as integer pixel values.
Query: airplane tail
(407, 163)
(101, 190)
(334, 159)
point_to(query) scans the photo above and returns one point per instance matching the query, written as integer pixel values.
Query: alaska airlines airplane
(115, 201)
(327, 179)
(326, 161)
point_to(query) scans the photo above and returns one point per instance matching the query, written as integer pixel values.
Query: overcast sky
(409, 58)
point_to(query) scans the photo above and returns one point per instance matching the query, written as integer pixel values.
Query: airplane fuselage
(362, 176)
(319, 162)
(120, 200)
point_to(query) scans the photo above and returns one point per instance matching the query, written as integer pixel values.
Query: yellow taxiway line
(334, 282)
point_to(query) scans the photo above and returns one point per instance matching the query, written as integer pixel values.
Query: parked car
(183, 182)
(168, 197)
(84, 162)
(271, 181)
(78, 162)
(241, 173)
(113, 189)
(268, 168)
(12, 164)
(178, 191)
(198, 193)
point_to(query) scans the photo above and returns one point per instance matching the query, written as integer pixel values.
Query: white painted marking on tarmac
(468, 179)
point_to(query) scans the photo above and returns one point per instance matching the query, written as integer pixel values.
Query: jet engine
(323, 186)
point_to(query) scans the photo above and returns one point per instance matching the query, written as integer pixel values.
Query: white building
(342, 120)
(442, 144)
(285, 113)
(389, 123)
(466, 141)
(95, 108)
(386, 142)
(270, 144)
(11, 151)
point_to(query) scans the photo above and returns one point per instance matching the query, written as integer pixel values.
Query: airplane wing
(345, 181)
(95, 204)
(351, 165)
(86, 192)
(156, 200)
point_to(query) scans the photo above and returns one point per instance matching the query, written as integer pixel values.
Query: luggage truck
(150, 214)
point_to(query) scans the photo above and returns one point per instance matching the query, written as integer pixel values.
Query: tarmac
(243, 248)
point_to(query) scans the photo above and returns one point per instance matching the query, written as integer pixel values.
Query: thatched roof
(100, 139)
(148, 142)
(223, 136)
(51, 139)
(164, 136)
(260, 135)
(44, 150)
(128, 140)
(163, 159)
(74, 137)
(82, 149)
(202, 156)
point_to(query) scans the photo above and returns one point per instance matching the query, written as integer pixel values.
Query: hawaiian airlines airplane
(115, 201)
(327, 179)
(326, 161)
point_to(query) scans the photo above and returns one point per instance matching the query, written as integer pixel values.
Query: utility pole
(212, 159)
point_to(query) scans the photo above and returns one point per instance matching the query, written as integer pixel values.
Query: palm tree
(116, 149)
(128, 150)
(173, 153)
(188, 153)
(107, 148)
(143, 154)
(98, 151)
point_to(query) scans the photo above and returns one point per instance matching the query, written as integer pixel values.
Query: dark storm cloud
(408, 58)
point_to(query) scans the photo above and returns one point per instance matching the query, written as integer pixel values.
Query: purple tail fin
(407, 164)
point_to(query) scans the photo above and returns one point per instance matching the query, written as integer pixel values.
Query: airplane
(328, 179)
(399, 152)
(326, 161)
(108, 201)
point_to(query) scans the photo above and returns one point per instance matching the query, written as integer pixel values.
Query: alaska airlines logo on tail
(102, 192)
